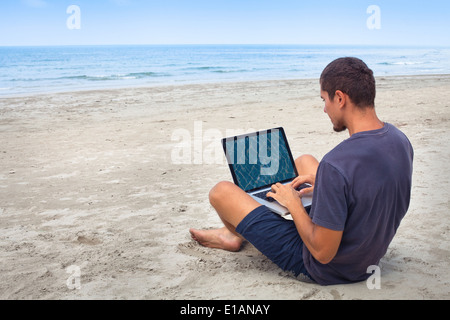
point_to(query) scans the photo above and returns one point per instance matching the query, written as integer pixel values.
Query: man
(361, 188)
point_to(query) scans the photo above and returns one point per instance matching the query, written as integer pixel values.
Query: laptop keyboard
(263, 195)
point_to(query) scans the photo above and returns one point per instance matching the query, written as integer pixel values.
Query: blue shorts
(276, 238)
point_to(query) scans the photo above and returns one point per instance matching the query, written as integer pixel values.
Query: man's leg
(307, 165)
(233, 205)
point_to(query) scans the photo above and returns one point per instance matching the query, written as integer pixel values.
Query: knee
(305, 159)
(219, 192)
(306, 164)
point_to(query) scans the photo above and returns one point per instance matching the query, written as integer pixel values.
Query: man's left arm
(323, 243)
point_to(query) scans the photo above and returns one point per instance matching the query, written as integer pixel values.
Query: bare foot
(219, 239)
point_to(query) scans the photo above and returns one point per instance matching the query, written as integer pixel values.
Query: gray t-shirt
(363, 188)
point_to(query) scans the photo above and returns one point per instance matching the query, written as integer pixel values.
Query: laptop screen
(260, 159)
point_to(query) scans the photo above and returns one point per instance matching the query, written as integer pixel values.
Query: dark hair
(351, 76)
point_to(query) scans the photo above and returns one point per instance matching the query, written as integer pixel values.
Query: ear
(340, 98)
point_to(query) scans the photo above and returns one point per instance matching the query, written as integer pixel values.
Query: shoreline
(88, 181)
(197, 83)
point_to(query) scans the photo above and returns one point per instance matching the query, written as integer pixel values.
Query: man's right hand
(311, 179)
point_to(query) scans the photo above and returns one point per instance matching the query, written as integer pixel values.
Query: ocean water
(28, 70)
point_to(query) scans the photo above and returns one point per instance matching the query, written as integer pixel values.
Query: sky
(327, 22)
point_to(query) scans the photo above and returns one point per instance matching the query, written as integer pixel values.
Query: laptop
(259, 160)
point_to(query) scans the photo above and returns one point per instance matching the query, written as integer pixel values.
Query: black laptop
(259, 160)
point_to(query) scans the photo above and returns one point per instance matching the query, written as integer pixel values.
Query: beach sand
(93, 205)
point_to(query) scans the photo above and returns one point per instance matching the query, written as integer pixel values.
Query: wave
(128, 76)
(235, 71)
(223, 69)
(140, 75)
(204, 68)
(401, 63)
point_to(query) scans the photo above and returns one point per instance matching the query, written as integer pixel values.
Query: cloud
(35, 3)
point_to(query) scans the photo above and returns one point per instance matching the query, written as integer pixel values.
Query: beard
(339, 127)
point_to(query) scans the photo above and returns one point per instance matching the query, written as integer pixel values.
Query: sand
(97, 196)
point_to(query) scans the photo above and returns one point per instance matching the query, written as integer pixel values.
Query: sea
(31, 70)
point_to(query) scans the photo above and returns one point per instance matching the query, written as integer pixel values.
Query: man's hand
(311, 179)
(286, 195)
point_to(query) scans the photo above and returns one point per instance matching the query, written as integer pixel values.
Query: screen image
(260, 159)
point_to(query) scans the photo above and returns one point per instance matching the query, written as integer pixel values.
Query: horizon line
(229, 44)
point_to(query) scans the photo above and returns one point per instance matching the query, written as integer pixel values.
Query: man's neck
(363, 120)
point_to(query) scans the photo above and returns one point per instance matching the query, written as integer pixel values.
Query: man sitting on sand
(361, 192)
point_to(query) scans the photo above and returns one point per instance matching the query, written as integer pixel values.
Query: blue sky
(43, 22)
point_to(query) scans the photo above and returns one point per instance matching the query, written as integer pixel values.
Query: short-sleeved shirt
(363, 188)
